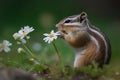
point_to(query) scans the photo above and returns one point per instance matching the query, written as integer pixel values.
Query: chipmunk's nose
(59, 25)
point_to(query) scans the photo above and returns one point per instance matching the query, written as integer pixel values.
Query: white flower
(25, 31)
(20, 50)
(50, 37)
(21, 34)
(5, 46)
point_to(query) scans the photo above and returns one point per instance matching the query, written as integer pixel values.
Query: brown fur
(79, 38)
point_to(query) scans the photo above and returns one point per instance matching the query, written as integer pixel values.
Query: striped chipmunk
(88, 41)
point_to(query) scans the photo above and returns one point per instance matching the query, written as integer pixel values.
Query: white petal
(7, 43)
(10, 44)
(57, 34)
(32, 29)
(22, 36)
(52, 32)
(49, 41)
(55, 37)
(45, 38)
(46, 34)
(16, 36)
(21, 31)
(28, 29)
(7, 49)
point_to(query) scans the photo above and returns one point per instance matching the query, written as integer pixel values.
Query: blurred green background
(44, 14)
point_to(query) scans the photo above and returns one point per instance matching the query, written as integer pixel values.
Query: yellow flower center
(3, 46)
(51, 35)
(24, 33)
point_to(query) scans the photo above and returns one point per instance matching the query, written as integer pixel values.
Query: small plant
(93, 70)
(21, 37)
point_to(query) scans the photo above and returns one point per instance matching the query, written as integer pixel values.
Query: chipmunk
(88, 41)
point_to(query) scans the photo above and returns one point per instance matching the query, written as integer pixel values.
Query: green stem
(34, 56)
(59, 57)
(29, 51)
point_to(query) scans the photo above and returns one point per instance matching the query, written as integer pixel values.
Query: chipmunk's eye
(67, 21)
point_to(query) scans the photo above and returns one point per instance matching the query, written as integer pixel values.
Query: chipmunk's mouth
(64, 32)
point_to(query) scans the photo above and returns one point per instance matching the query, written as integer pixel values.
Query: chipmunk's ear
(82, 16)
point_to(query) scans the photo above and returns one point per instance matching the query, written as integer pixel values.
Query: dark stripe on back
(103, 45)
